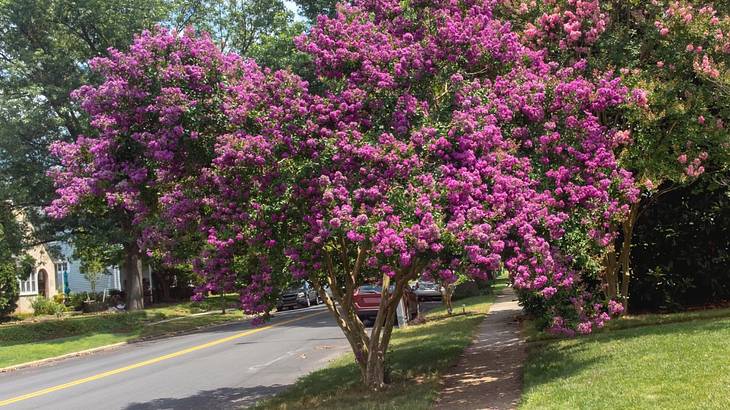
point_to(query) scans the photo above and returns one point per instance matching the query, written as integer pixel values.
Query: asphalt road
(226, 367)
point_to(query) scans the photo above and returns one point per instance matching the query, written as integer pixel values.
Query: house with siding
(56, 271)
(68, 273)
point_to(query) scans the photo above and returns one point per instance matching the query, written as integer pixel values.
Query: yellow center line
(149, 362)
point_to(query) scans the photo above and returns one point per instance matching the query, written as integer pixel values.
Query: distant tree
(313, 8)
(235, 25)
(95, 258)
(14, 266)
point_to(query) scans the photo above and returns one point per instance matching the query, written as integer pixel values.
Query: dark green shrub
(471, 288)
(681, 250)
(75, 301)
(92, 306)
(44, 306)
(9, 291)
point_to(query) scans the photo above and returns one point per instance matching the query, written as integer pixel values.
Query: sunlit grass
(682, 365)
(31, 341)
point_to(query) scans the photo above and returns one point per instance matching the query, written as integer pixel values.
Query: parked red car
(367, 302)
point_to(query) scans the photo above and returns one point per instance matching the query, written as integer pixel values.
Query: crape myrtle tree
(438, 143)
(677, 51)
(153, 121)
(447, 286)
(44, 49)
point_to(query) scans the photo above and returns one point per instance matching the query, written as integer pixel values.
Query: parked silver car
(428, 290)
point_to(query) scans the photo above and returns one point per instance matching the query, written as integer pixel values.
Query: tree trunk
(223, 301)
(610, 274)
(132, 269)
(375, 371)
(448, 295)
(369, 350)
(625, 257)
(161, 277)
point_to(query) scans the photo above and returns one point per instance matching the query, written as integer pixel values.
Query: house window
(30, 286)
(61, 267)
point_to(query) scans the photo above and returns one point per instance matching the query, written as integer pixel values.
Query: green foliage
(44, 306)
(75, 301)
(13, 265)
(312, 8)
(471, 288)
(44, 47)
(59, 298)
(9, 291)
(236, 25)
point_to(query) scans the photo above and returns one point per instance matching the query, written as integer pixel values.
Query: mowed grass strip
(682, 365)
(418, 356)
(27, 342)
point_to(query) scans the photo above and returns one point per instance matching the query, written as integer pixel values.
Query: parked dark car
(367, 302)
(298, 296)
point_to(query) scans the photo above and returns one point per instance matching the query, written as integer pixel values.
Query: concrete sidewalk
(489, 374)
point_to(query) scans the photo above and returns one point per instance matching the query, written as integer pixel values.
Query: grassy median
(417, 357)
(27, 342)
(641, 362)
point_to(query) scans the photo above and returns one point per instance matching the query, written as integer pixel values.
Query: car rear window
(370, 289)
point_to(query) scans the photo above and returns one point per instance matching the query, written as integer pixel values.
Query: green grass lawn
(30, 341)
(642, 362)
(417, 356)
